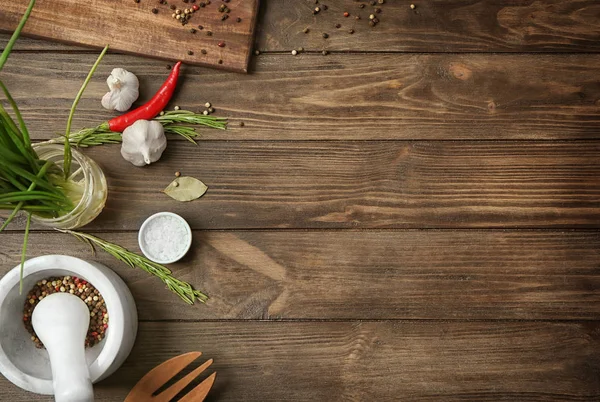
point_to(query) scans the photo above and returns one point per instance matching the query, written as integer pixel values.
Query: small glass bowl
(93, 183)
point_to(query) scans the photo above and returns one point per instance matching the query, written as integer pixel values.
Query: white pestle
(61, 321)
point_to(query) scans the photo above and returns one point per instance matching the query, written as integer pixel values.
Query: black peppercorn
(325, 35)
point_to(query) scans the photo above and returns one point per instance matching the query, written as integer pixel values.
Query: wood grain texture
(373, 361)
(434, 26)
(453, 275)
(340, 97)
(133, 28)
(365, 184)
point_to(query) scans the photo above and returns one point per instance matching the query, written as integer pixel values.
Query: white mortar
(28, 367)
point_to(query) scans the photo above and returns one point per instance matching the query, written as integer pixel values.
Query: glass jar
(88, 184)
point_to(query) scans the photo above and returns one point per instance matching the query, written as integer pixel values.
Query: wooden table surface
(414, 216)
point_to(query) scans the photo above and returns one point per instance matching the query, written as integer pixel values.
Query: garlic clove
(143, 142)
(124, 90)
(121, 78)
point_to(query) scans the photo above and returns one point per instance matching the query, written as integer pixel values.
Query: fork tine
(162, 373)
(176, 388)
(199, 393)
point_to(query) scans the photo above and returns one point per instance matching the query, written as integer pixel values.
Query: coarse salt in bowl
(165, 237)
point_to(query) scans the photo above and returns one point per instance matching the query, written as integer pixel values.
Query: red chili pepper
(151, 109)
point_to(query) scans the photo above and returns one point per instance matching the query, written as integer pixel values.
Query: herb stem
(15, 35)
(68, 156)
(24, 252)
(182, 289)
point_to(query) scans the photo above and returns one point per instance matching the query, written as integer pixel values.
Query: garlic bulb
(124, 90)
(143, 142)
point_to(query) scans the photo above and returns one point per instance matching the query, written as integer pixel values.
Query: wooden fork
(161, 374)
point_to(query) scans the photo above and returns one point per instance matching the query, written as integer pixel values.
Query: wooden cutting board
(133, 27)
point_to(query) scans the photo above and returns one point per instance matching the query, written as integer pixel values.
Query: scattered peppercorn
(306, 30)
(137, 1)
(325, 52)
(346, 14)
(324, 7)
(238, 19)
(325, 35)
(177, 174)
(378, 10)
(372, 2)
(351, 31)
(155, 11)
(192, 30)
(241, 124)
(361, 6)
(203, 51)
(220, 61)
(190, 52)
(168, 66)
(257, 52)
(221, 44)
(224, 17)
(208, 33)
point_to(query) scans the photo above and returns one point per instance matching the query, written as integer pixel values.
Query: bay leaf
(185, 189)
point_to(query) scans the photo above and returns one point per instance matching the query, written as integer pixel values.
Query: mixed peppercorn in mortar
(77, 287)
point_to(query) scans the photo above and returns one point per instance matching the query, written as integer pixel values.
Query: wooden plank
(372, 361)
(351, 97)
(362, 275)
(434, 26)
(144, 28)
(365, 184)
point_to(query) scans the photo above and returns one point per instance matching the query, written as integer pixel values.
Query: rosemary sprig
(174, 122)
(183, 289)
